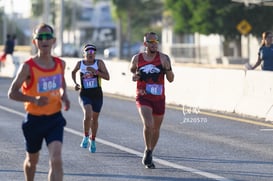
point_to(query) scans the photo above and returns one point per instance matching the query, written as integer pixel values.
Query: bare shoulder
(164, 57)
(63, 62)
(134, 63)
(100, 62)
(134, 59)
(23, 73)
(24, 68)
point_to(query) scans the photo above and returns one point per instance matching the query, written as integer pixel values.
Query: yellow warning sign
(244, 27)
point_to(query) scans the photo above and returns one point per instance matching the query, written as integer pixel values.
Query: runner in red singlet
(149, 69)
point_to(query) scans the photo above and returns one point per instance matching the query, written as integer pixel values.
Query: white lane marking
(266, 129)
(12, 111)
(139, 154)
(158, 160)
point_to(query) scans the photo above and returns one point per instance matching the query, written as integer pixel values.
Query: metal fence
(189, 53)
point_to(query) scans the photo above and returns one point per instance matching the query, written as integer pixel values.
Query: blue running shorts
(96, 103)
(48, 127)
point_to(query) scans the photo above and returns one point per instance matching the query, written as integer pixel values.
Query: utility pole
(4, 19)
(59, 24)
(12, 18)
(74, 20)
(46, 11)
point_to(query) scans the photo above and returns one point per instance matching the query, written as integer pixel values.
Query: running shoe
(150, 166)
(92, 147)
(147, 159)
(84, 142)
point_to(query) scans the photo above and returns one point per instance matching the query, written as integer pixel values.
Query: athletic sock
(93, 137)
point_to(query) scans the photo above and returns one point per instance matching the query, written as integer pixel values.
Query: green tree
(140, 15)
(219, 17)
(38, 6)
(38, 9)
(135, 18)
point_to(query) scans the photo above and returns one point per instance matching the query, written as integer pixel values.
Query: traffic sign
(244, 27)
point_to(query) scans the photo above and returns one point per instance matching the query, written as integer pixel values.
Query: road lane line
(12, 111)
(158, 160)
(266, 129)
(137, 153)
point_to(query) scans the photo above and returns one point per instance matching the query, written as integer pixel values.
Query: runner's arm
(166, 62)
(14, 92)
(103, 72)
(64, 87)
(133, 68)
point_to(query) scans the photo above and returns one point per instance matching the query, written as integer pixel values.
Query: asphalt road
(194, 145)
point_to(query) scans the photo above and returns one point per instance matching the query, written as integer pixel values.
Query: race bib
(155, 89)
(90, 83)
(46, 84)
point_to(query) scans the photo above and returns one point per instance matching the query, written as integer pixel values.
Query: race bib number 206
(46, 84)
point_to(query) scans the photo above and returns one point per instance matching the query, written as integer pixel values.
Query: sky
(19, 6)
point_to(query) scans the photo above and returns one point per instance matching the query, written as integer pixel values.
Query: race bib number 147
(90, 83)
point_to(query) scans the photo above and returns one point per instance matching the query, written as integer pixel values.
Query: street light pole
(59, 25)
(46, 11)
(4, 19)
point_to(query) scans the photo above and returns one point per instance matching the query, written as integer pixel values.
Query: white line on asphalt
(12, 111)
(266, 129)
(139, 154)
